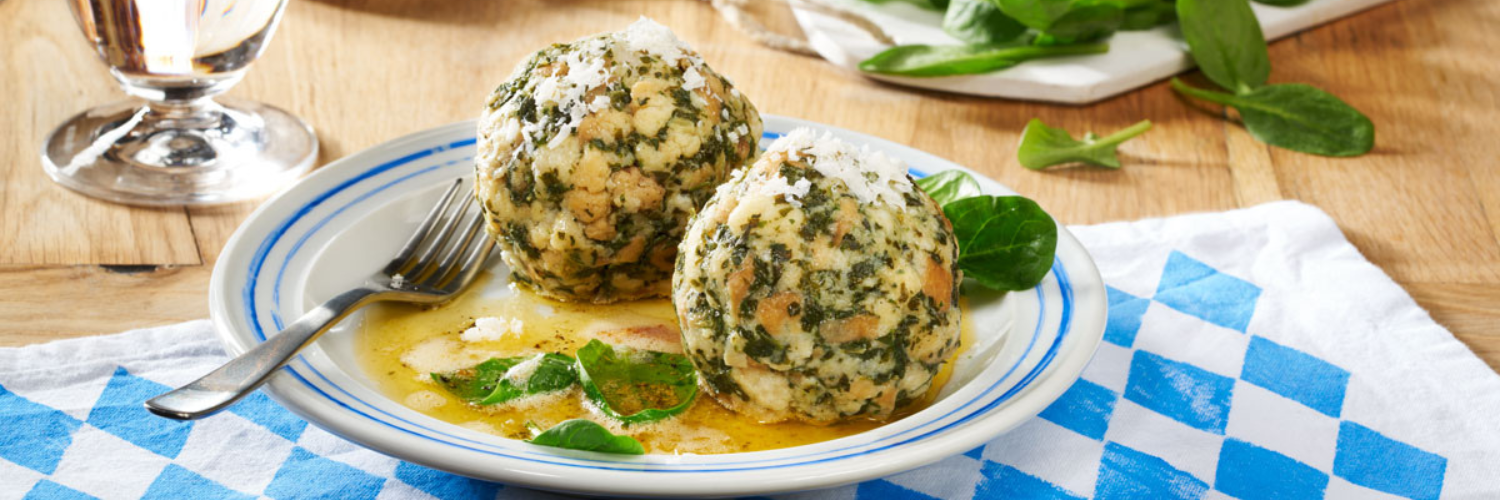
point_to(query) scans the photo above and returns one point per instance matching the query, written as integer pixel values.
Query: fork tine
(403, 259)
(426, 262)
(455, 252)
(473, 265)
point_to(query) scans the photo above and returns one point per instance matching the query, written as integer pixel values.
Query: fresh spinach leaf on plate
(1296, 116)
(1043, 146)
(949, 186)
(946, 60)
(487, 383)
(980, 22)
(586, 435)
(635, 386)
(1225, 40)
(1004, 242)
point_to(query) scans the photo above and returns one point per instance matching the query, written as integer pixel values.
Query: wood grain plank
(1470, 97)
(1179, 166)
(49, 76)
(1250, 165)
(50, 303)
(1411, 205)
(1471, 312)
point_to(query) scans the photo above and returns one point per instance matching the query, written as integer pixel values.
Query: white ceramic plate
(1135, 58)
(329, 231)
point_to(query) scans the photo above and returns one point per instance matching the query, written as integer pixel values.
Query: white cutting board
(1135, 58)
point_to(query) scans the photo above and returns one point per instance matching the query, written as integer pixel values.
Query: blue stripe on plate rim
(263, 251)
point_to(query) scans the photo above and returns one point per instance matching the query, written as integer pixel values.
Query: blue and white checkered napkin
(1250, 354)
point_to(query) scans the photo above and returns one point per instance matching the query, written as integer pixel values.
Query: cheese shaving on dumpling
(587, 70)
(778, 186)
(692, 79)
(651, 37)
(871, 176)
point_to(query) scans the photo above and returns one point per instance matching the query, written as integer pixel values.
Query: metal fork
(437, 263)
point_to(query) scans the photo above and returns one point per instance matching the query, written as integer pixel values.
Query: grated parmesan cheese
(587, 70)
(692, 79)
(651, 37)
(777, 185)
(871, 176)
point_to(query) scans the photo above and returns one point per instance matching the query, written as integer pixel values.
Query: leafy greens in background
(1224, 38)
(980, 22)
(486, 383)
(943, 60)
(586, 435)
(636, 386)
(1004, 242)
(998, 34)
(1296, 116)
(1043, 146)
(1147, 14)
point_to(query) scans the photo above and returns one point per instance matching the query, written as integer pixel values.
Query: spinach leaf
(486, 383)
(945, 60)
(1298, 117)
(926, 4)
(979, 21)
(1043, 146)
(1147, 15)
(1084, 21)
(636, 386)
(1225, 39)
(586, 435)
(1004, 242)
(1035, 14)
(949, 186)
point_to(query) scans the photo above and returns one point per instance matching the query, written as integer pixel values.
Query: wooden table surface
(1424, 206)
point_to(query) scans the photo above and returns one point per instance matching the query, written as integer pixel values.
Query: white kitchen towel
(1249, 354)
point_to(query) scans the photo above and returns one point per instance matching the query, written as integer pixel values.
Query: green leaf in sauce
(487, 384)
(635, 386)
(586, 435)
(1004, 242)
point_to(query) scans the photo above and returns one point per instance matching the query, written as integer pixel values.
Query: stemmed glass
(174, 143)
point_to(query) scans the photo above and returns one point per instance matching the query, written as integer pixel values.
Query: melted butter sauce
(399, 345)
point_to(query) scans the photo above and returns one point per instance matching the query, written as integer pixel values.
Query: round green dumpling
(819, 284)
(594, 155)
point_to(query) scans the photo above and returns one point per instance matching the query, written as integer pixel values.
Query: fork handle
(243, 374)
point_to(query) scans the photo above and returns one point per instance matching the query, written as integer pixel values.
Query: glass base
(201, 152)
